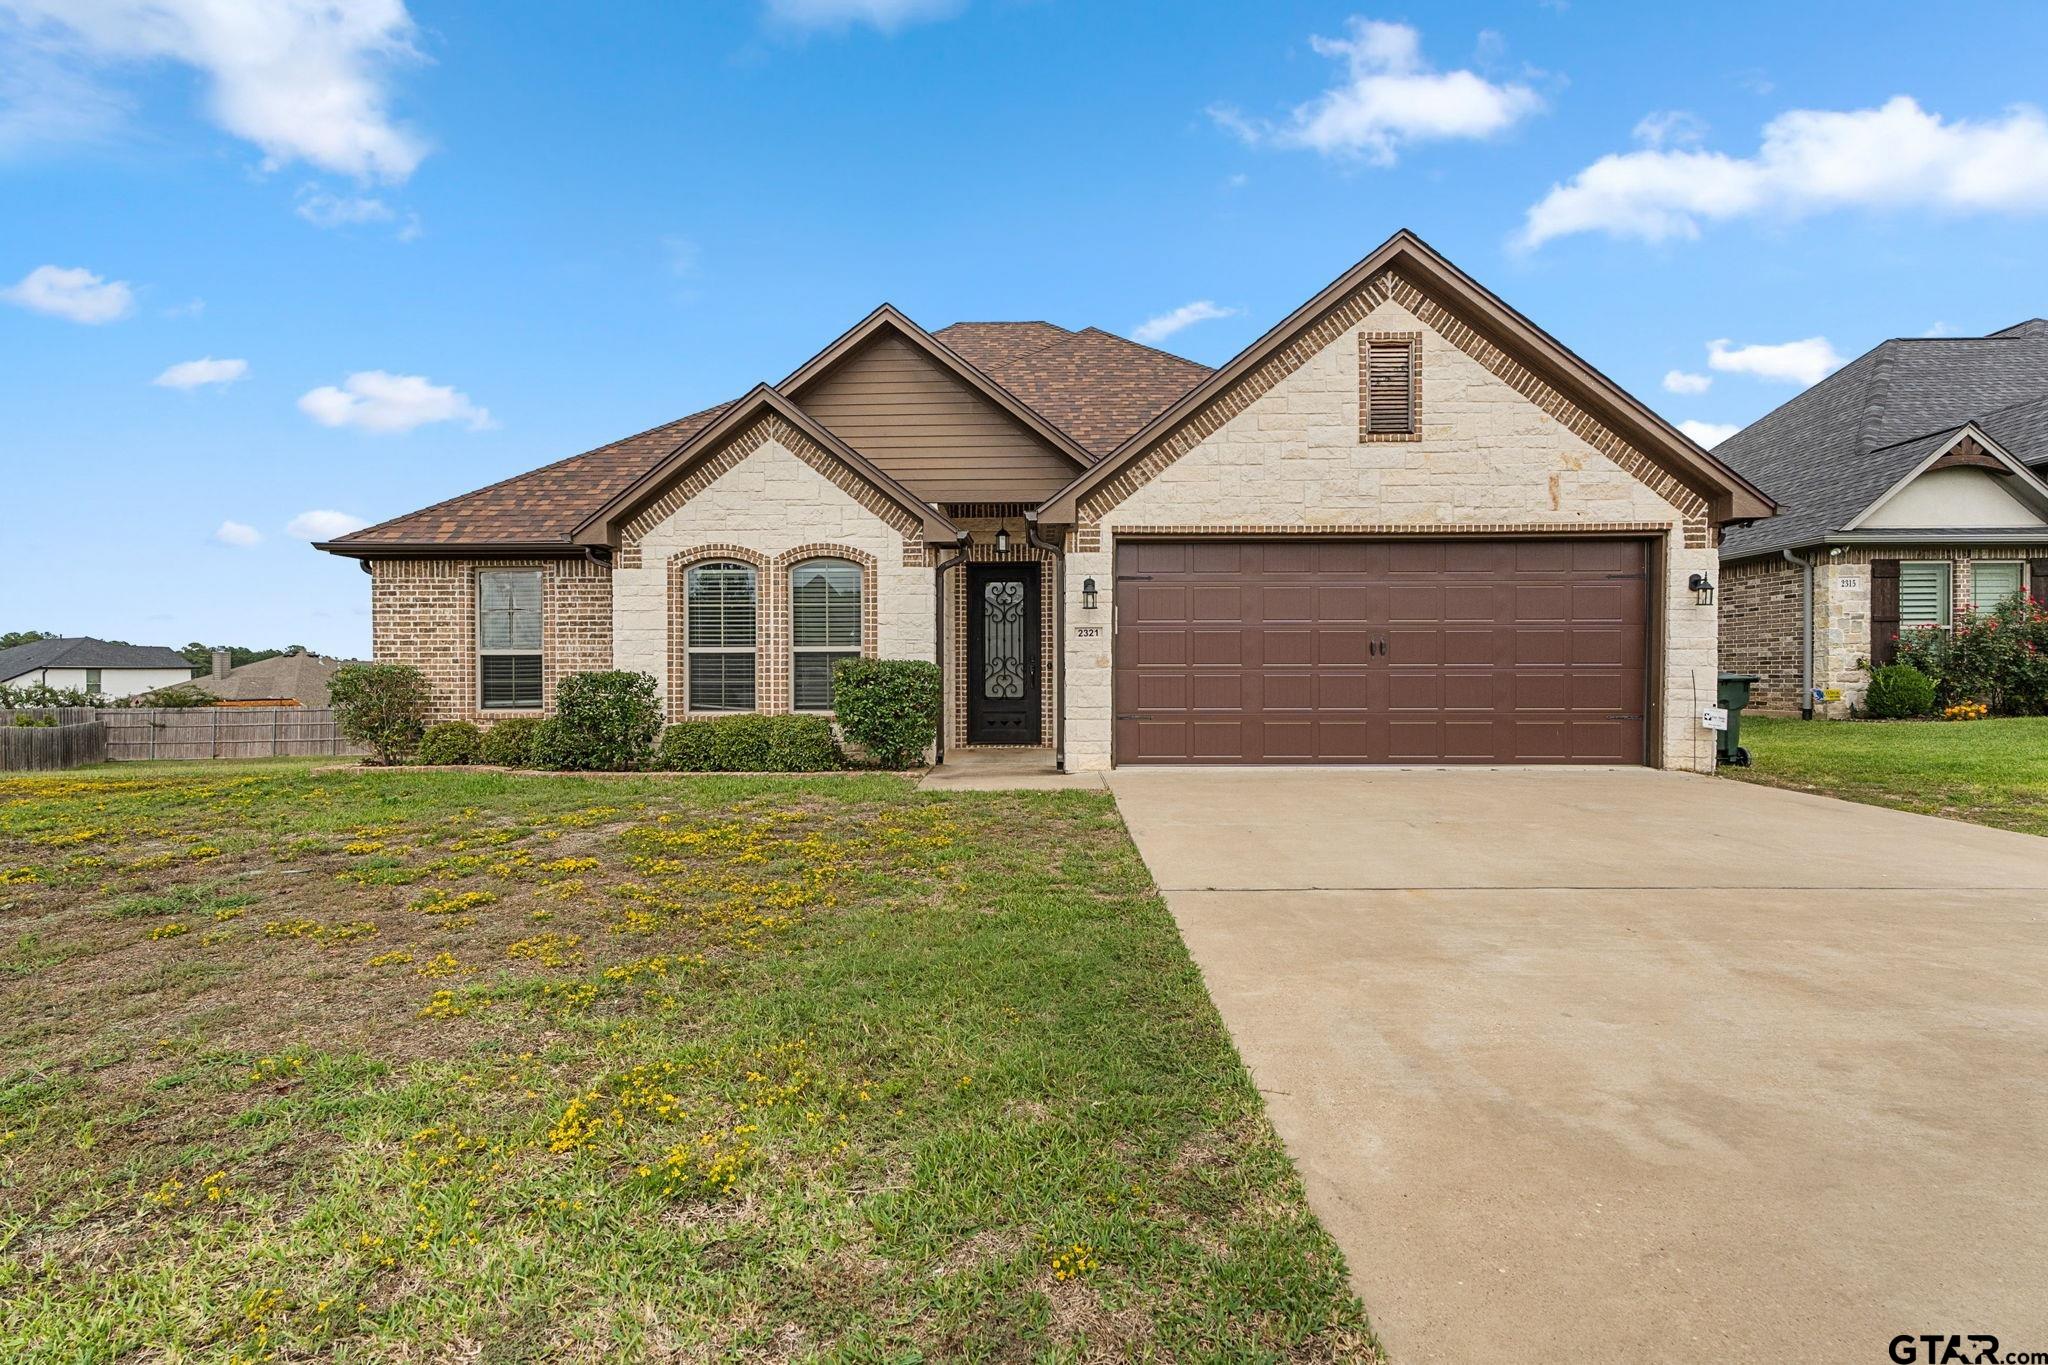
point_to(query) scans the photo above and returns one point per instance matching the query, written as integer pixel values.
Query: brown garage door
(1390, 651)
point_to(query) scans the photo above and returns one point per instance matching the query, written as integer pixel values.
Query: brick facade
(423, 613)
(1760, 632)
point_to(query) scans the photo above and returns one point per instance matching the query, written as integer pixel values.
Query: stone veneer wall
(1841, 617)
(1498, 451)
(423, 613)
(778, 508)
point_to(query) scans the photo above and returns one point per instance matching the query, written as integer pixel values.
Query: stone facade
(774, 509)
(423, 613)
(1760, 631)
(1497, 452)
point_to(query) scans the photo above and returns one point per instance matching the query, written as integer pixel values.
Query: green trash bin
(1733, 695)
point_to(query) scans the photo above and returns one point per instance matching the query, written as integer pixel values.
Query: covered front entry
(1388, 651)
(1003, 686)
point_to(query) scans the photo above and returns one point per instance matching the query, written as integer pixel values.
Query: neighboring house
(104, 667)
(1405, 525)
(294, 679)
(1905, 496)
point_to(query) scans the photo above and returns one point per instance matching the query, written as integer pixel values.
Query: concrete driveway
(1601, 1064)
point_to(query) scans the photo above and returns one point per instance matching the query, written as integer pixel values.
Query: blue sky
(451, 241)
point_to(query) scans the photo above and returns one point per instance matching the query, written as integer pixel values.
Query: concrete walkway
(1599, 1064)
(996, 769)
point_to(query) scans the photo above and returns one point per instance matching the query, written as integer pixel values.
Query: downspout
(1059, 637)
(939, 638)
(1805, 562)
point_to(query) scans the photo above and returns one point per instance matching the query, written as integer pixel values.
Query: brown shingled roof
(545, 504)
(1096, 386)
(987, 344)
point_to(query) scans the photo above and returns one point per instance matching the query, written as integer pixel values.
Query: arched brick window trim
(765, 673)
(870, 614)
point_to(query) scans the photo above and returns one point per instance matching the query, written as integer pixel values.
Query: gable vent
(1389, 400)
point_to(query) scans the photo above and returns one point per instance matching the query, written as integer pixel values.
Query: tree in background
(9, 639)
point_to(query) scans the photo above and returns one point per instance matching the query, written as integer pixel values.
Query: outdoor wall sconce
(1702, 590)
(1002, 540)
(1088, 594)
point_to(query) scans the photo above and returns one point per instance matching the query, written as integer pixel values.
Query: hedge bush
(508, 743)
(751, 744)
(380, 706)
(604, 722)
(554, 746)
(889, 707)
(1898, 692)
(450, 744)
(1999, 658)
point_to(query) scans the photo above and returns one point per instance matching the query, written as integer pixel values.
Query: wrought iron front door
(1002, 654)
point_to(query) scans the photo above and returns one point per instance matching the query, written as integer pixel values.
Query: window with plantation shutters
(1994, 582)
(719, 620)
(508, 639)
(1390, 388)
(1923, 594)
(825, 627)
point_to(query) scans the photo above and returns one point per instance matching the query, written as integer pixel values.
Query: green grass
(1989, 772)
(418, 1065)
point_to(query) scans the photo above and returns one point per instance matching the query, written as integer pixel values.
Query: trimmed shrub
(554, 746)
(1899, 692)
(450, 744)
(508, 743)
(889, 707)
(380, 706)
(606, 721)
(178, 696)
(687, 747)
(751, 744)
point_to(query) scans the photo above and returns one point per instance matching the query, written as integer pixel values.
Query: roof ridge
(1874, 388)
(1143, 346)
(1921, 436)
(538, 469)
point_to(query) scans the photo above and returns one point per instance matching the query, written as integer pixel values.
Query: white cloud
(45, 99)
(305, 80)
(325, 209)
(323, 523)
(1811, 161)
(74, 293)
(1181, 318)
(375, 400)
(1709, 434)
(237, 533)
(1678, 381)
(886, 15)
(1670, 128)
(1390, 97)
(192, 374)
(1791, 362)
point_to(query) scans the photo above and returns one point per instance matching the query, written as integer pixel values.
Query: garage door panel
(1390, 651)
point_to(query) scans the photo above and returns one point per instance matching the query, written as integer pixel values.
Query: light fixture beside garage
(1702, 589)
(1087, 594)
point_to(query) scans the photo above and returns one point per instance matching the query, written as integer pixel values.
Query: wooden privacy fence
(44, 747)
(126, 732)
(222, 732)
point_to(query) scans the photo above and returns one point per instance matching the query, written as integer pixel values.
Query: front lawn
(1990, 772)
(479, 1066)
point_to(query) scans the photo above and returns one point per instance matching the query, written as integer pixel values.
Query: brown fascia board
(451, 549)
(601, 526)
(888, 317)
(1730, 496)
